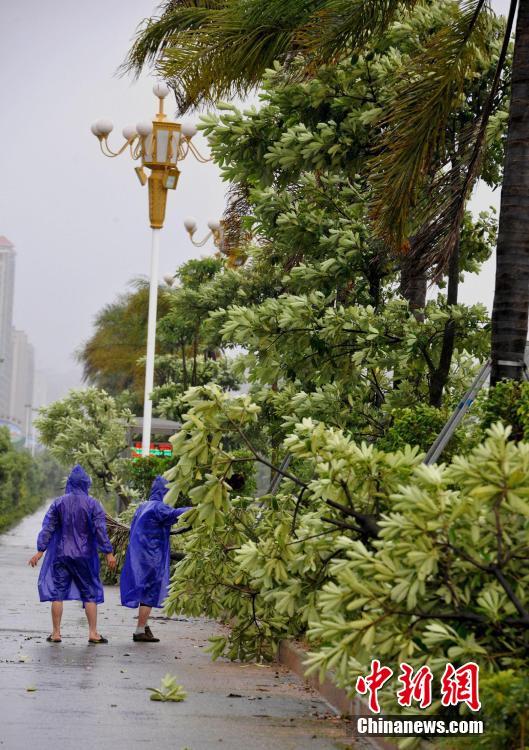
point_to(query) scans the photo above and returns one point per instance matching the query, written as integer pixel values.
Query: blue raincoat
(145, 575)
(73, 530)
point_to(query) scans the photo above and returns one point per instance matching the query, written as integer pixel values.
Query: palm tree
(112, 358)
(511, 298)
(212, 49)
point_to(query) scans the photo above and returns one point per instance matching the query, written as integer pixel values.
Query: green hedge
(25, 482)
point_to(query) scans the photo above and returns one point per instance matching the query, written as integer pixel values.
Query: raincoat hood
(78, 481)
(159, 489)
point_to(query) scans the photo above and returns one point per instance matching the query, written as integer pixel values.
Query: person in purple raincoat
(73, 530)
(144, 579)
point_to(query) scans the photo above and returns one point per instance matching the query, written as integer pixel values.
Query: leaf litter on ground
(170, 690)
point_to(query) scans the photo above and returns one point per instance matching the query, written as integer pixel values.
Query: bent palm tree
(216, 48)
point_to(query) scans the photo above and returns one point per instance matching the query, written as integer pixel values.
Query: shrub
(420, 425)
(374, 553)
(25, 482)
(140, 473)
(508, 402)
(505, 711)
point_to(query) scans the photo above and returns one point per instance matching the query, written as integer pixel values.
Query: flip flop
(53, 640)
(99, 640)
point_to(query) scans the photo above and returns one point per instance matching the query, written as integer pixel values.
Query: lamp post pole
(28, 408)
(151, 342)
(161, 145)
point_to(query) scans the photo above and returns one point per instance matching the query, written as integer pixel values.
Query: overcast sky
(78, 220)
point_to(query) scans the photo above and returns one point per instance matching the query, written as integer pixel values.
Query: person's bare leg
(56, 617)
(143, 615)
(90, 609)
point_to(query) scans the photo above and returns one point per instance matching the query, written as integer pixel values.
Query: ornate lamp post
(216, 230)
(235, 256)
(160, 145)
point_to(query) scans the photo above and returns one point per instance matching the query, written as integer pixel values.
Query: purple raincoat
(73, 530)
(145, 575)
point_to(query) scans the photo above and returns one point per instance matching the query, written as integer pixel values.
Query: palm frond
(347, 24)
(443, 204)
(441, 207)
(216, 49)
(238, 206)
(413, 137)
(155, 34)
(118, 533)
(213, 50)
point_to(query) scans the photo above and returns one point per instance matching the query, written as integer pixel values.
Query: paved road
(95, 696)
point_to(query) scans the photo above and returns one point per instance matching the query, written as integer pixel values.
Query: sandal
(98, 640)
(53, 640)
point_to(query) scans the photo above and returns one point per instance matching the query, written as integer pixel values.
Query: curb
(292, 656)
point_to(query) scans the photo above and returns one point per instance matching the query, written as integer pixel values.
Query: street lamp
(160, 145)
(29, 437)
(235, 256)
(29, 409)
(216, 230)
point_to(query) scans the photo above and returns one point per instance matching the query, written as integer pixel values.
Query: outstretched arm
(49, 524)
(167, 516)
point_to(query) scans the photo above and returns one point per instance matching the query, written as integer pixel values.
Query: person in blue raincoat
(145, 576)
(73, 530)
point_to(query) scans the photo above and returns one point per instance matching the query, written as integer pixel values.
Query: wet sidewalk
(95, 696)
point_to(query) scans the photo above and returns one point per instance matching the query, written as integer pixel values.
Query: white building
(22, 381)
(17, 365)
(7, 286)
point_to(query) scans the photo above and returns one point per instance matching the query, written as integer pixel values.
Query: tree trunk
(195, 353)
(511, 295)
(376, 268)
(440, 375)
(413, 289)
(413, 286)
(184, 365)
(375, 288)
